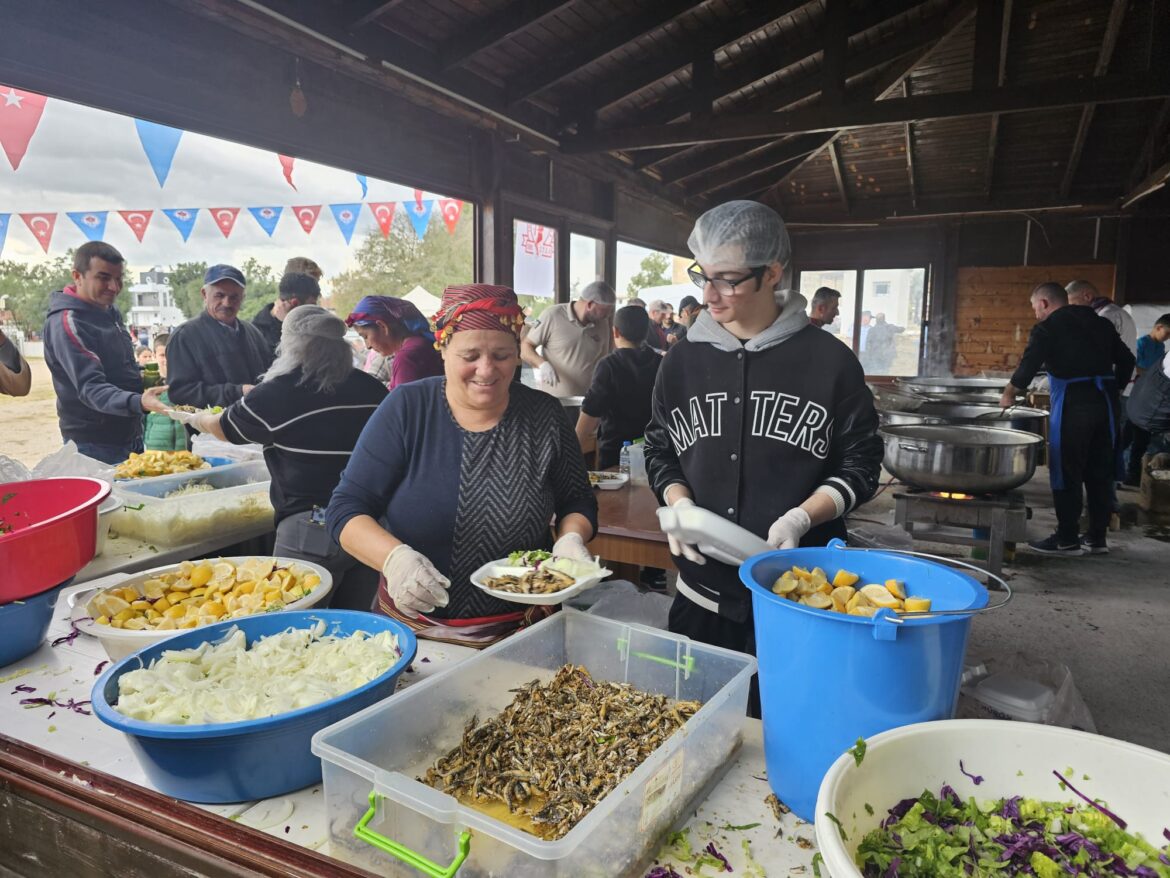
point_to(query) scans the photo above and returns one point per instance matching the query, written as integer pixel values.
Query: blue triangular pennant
(91, 223)
(267, 217)
(420, 215)
(3, 229)
(347, 217)
(365, 184)
(183, 218)
(159, 142)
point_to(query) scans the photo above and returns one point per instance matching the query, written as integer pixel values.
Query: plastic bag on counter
(65, 461)
(1022, 687)
(206, 445)
(623, 601)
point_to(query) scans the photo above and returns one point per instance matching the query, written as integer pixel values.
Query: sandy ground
(28, 425)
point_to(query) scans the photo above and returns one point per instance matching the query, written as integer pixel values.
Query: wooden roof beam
(758, 14)
(1108, 44)
(1155, 181)
(1154, 145)
(483, 34)
(835, 158)
(1017, 99)
(767, 158)
(910, 152)
(365, 12)
(992, 32)
(836, 31)
(550, 71)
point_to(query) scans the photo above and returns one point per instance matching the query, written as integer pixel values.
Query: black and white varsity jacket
(754, 428)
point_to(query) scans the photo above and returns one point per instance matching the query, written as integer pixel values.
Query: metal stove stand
(991, 520)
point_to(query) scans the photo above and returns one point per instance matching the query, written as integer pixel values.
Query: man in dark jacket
(757, 416)
(295, 289)
(100, 399)
(1087, 365)
(214, 359)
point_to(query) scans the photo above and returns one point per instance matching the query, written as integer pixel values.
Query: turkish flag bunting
(41, 225)
(451, 208)
(225, 218)
(307, 215)
(383, 212)
(286, 165)
(137, 220)
(20, 113)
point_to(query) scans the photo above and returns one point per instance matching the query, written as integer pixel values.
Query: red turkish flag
(137, 220)
(20, 113)
(306, 215)
(383, 212)
(41, 225)
(225, 218)
(286, 164)
(451, 208)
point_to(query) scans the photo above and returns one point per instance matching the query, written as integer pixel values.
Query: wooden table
(627, 535)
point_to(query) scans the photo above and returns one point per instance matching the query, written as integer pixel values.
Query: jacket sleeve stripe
(71, 333)
(847, 493)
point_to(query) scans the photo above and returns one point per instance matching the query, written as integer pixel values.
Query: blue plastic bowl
(254, 759)
(219, 461)
(24, 623)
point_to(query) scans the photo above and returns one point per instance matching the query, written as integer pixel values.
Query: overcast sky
(84, 159)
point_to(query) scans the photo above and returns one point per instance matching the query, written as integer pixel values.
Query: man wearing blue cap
(214, 359)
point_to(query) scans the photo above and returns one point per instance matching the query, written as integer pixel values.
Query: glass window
(890, 340)
(843, 281)
(534, 266)
(651, 274)
(586, 262)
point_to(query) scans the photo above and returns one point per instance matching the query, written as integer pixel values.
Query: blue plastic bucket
(827, 679)
(217, 763)
(24, 623)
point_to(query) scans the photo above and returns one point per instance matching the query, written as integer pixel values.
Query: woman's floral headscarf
(477, 306)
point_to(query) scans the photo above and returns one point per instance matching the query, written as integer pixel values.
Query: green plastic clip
(405, 854)
(687, 665)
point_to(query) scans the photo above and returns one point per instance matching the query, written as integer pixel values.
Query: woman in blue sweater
(455, 471)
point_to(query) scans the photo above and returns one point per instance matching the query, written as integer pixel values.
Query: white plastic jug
(638, 464)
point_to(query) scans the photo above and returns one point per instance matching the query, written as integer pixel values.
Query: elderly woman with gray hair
(307, 411)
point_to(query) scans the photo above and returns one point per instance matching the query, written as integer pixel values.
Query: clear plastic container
(239, 500)
(372, 759)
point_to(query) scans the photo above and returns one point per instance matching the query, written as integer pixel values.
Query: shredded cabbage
(229, 682)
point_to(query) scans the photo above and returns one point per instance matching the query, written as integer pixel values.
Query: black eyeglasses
(722, 286)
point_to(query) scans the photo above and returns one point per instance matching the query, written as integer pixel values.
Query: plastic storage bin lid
(1016, 697)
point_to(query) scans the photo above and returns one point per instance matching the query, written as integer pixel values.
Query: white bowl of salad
(969, 798)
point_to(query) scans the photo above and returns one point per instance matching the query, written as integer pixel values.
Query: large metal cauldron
(1019, 418)
(954, 385)
(957, 459)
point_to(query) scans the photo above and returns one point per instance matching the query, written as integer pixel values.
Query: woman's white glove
(786, 531)
(413, 583)
(548, 375)
(571, 545)
(668, 521)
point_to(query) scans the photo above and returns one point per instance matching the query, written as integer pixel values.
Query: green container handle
(687, 665)
(405, 854)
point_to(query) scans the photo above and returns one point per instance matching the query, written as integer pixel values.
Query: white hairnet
(312, 320)
(741, 235)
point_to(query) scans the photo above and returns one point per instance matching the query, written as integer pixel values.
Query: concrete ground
(1106, 617)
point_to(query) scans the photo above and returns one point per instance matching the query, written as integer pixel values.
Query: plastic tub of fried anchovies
(570, 748)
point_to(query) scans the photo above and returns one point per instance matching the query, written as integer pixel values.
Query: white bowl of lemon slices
(156, 604)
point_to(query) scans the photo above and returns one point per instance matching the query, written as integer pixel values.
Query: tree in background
(26, 289)
(655, 273)
(186, 282)
(187, 286)
(396, 264)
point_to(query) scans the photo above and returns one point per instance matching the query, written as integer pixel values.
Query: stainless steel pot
(1019, 418)
(958, 459)
(953, 385)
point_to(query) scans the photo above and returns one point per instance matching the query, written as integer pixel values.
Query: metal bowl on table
(960, 459)
(936, 386)
(1017, 418)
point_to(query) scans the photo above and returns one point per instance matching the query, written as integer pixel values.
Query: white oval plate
(503, 568)
(609, 481)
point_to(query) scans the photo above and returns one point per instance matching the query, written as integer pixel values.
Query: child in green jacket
(162, 433)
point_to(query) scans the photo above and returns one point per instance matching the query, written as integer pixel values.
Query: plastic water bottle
(624, 459)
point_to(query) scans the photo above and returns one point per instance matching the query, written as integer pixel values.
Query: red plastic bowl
(49, 532)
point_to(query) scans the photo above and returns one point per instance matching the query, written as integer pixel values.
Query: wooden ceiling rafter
(835, 159)
(485, 33)
(908, 131)
(368, 11)
(993, 23)
(622, 32)
(1104, 56)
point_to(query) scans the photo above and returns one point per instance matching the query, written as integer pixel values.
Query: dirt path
(28, 425)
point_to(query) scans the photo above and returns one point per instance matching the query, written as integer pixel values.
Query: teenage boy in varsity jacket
(757, 416)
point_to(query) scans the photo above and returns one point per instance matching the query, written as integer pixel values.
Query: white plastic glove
(572, 546)
(668, 521)
(786, 531)
(548, 375)
(413, 582)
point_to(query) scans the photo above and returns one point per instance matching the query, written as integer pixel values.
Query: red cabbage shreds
(97, 672)
(898, 812)
(662, 872)
(892, 872)
(975, 778)
(1064, 780)
(74, 632)
(713, 851)
(24, 688)
(75, 706)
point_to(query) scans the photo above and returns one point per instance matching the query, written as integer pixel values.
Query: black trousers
(1087, 462)
(1137, 441)
(688, 618)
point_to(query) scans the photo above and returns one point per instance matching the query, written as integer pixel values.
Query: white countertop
(70, 670)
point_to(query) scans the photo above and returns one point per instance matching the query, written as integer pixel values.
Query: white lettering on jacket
(781, 417)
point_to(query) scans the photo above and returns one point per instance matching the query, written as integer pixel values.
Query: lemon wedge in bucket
(916, 605)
